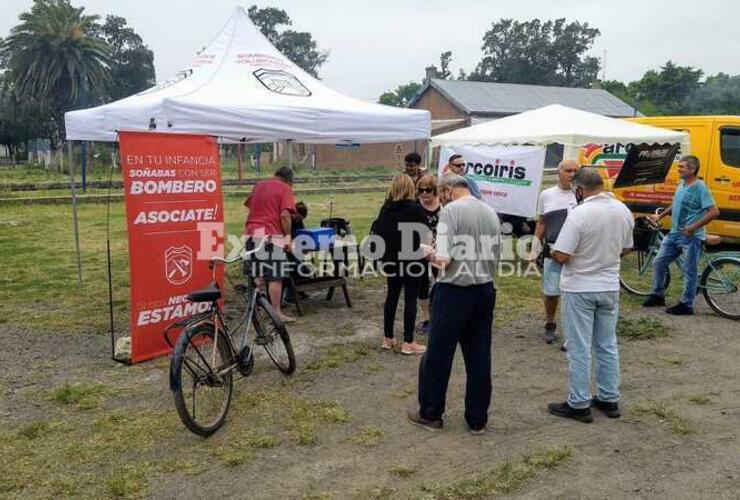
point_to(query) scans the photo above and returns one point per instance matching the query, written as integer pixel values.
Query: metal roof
(487, 98)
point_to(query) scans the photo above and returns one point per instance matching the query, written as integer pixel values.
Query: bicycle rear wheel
(720, 283)
(202, 394)
(636, 273)
(273, 336)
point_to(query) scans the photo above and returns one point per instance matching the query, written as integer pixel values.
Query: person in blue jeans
(591, 242)
(693, 208)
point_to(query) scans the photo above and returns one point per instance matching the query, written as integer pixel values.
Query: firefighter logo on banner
(281, 82)
(178, 264)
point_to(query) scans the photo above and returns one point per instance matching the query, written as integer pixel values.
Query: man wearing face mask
(456, 165)
(554, 205)
(590, 245)
(693, 208)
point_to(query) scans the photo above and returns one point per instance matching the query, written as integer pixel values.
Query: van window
(730, 146)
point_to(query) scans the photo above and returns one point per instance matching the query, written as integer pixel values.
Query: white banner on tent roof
(242, 88)
(509, 178)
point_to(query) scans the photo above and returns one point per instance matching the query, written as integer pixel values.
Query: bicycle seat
(209, 294)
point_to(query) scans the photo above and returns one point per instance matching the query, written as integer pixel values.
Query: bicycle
(208, 353)
(719, 281)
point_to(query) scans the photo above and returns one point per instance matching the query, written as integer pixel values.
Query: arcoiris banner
(173, 198)
(509, 177)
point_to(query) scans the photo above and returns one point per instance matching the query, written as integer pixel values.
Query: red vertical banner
(175, 218)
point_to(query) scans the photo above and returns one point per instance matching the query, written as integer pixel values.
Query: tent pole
(75, 225)
(239, 162)
(83, 158)
(428, 159)
(289, 146)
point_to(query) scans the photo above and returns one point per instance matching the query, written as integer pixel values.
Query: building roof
(500, 99)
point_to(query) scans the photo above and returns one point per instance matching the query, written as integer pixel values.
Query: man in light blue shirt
(693, 208)
(456, 165)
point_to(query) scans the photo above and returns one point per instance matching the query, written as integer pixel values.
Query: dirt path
(678, 437)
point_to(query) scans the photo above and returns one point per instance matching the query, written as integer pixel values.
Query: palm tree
(55, 53)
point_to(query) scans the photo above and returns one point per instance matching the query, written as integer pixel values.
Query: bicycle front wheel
(636, 273)
(273, 336)
(200, 381)
(720, 283)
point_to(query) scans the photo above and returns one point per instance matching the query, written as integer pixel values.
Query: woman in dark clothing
(402, 270)
(429, 201)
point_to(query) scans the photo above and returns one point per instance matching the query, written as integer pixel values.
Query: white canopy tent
(551, 124)
(241, 88)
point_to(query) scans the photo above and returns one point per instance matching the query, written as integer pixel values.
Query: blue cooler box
(321, 238)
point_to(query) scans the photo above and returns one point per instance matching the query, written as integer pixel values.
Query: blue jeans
(673, 244)
(590, 320)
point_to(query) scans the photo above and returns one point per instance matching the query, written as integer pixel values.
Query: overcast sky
(376, 45)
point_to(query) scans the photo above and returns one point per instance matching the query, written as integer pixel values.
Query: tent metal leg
(75, 225)
(428, 156)
(289, 147)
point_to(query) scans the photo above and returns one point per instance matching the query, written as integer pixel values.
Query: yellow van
(715, 140)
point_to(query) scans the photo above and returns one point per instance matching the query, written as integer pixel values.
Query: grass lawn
(101, 172)
(39, 288)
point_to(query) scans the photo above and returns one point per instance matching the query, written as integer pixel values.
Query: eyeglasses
(426, 190)
(458, 165)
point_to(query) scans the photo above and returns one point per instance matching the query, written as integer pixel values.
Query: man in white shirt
(590, 245)
(554, 205)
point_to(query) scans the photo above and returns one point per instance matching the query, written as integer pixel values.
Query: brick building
(459, 103)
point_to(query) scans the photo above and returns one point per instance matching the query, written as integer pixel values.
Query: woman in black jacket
(426, 187)
(402, 266)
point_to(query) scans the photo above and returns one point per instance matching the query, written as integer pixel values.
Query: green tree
(668, 91)
(132, 63)
(536, 52)
(719, 94)
(298, 46)
(53, 55)
(21, 119)
(402, 96)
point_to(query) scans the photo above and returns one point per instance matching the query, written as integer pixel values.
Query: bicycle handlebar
(653, 224)
(242, 255)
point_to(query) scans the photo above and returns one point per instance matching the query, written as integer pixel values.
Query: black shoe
(680, 309)
(564, 410)
(549, 335)
(430, 425)
(611, 410)
(654, 300)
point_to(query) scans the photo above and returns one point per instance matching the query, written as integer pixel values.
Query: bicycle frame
(250, 293)
(704, 260)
